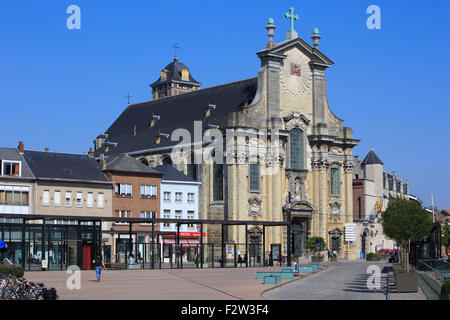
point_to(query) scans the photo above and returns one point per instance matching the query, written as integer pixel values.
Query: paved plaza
(164, 284)
(346, 281)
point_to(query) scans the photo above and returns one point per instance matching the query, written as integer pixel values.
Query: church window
(254, 177)
(217, 182)
(297, 149)
(334, 181)
(192, 168)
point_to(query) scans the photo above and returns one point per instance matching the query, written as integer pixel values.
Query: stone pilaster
(323, 198)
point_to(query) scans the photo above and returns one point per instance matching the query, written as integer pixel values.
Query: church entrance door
(298, 236)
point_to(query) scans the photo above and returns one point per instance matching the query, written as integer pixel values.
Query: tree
(315, 245)
(405, 221)
(446, 236)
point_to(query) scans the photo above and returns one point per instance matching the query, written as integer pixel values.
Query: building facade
(137, 194)
(16, 183)
(286, 154)
(372, 190)
(179, 200)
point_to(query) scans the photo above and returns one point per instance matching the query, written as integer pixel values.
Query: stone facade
(372, 190)
(291, 95)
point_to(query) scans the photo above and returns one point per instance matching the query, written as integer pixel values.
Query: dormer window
(185, 74)
(11, 168)
(209, 109)
(154, 119)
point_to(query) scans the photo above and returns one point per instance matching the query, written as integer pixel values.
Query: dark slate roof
(173, 71)
(175, 112)
(125, 163)
(371, 158)
(52, 165)
(14, 155)
(170, 173)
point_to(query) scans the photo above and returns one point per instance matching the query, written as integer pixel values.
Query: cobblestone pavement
(345, 281)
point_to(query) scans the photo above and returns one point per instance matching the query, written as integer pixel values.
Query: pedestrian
(99, 264)
(131, 259)
(239, 260)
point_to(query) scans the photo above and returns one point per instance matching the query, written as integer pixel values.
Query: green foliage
(406, 220)
(312, 245)
(373, 256)
(446, 236)
(14, 270)
(445, 289)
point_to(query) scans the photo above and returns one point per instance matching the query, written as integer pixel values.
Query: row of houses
(75, 185)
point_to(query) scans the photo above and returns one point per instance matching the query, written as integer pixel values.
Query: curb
(298, 278)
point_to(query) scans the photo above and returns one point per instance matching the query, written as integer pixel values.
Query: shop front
(50, 245)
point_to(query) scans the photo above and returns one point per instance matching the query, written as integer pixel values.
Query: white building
(179, 200)
(372, 190)
(16, 183)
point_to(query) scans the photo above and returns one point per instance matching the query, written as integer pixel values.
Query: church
(293, 161)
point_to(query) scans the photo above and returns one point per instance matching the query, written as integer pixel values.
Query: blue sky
(60, 88)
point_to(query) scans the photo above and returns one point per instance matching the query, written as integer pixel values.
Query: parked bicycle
(12, 288)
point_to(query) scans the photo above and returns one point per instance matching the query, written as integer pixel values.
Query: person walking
(99, 264)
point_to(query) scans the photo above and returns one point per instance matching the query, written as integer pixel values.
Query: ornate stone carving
(254, 206)
(296, 184)
(335, 210)
(348, 166)
(296, 120)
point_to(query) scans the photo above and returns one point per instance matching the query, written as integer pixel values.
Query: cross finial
(128, 96)
(176, 47)
(291, 16)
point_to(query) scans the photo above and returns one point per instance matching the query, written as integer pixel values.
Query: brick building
(136, 195)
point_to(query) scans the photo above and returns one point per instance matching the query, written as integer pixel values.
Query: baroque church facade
(297, 165)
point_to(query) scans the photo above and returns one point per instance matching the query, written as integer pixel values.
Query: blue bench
(272, 279)
(315, 266)
(283, 275)
(305, 269)
(288, 269)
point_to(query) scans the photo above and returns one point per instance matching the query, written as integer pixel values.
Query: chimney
(357, 158)
(46, 149)
(103, 161)
(21, 147)
(91, 153)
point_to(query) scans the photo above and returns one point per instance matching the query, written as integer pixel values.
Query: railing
(437, 268)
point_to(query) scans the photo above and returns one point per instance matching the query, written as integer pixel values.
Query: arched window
(167, 161)
(254, 176)
(334, 182)
(217, 182)
(192, 168)
(297, 149)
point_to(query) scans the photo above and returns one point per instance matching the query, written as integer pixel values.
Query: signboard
(187, 234)
(229, 251)
(44, 264)
(350, 232)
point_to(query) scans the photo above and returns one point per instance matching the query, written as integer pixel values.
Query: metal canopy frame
(154, 220)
